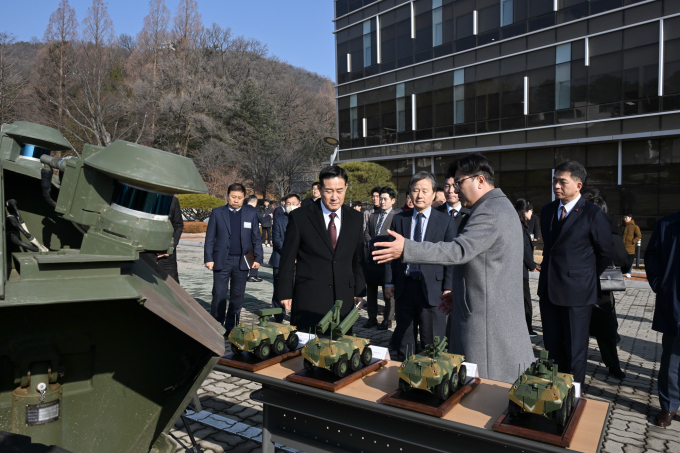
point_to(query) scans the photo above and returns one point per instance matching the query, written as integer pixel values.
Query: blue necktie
(414, 269)
(380, 222)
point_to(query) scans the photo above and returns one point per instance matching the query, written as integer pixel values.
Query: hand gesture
(389, 250)
(287, 303)
(446, 305)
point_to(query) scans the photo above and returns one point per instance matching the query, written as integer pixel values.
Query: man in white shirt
(452, 207)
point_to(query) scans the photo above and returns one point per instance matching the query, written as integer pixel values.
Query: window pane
(563, 53)
(563, 86)
(443, 107)
(506, 12)
(512, 95)
(488, 99)
(671, 57)
(437, 27)
(542, 89)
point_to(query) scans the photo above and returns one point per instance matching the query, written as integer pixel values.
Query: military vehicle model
(541, 390)
(433, 370)
(339, 353)
(100, 351)
(265, 337)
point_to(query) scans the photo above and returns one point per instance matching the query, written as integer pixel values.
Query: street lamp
(331, 141)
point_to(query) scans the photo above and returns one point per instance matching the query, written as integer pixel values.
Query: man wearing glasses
(486, 302)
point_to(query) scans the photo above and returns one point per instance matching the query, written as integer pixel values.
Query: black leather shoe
(385, 325)
(253, 279)
(259, 279)
(371, 323)
(664, 418)
(617, 373)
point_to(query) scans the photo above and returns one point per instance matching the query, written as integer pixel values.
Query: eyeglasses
(456, 184)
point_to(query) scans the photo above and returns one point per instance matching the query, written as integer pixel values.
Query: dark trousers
(276, 303)
(528, 309)
(169, 265)
(253, 272)
(604, 326)
(669, 373)
(229, 275)
(565, 336)
(415, 315)
(372, 303)
(267, 235)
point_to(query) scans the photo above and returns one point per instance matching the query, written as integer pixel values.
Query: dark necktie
(414, 269)
(380, 222)
(454, 213)
(563, 214)
(332, 231)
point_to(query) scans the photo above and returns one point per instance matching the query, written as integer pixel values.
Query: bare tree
(11, 80)
(187, 25)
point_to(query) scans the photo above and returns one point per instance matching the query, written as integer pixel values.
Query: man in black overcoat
(321, 257)
(168, 262)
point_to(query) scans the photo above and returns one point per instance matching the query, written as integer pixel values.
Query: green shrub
(197, 207)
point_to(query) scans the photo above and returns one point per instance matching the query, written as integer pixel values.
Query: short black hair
(389, 191)
(522, 207)
(376, 190)
(291, 195)
(316, 183)
(441, 189)
(331, 172)
(472, 164)
(601, 203)
(236, 187)
(252, 198)
(590, 192)
(576, 170)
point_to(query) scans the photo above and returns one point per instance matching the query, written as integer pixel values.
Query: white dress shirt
(327, 218)
(426, 217)
(234, 210)
(449, 209)
(569, 206)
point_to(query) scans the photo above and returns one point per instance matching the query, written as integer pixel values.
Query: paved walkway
(232, 421)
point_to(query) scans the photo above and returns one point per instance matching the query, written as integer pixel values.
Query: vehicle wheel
(235, 349)
(571, 399)
(404, 386)
(454, 382)
(561, 414)
(292, 341)
(308, 365)
(443, 389)
(262, 351)
(355, 361)
(279, 345)
(341, 368)
(462, 375)
(513, 409)
(366, 355)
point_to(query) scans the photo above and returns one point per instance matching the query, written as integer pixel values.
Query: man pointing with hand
(486, 301)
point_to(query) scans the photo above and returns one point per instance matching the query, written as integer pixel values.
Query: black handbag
(612, 279)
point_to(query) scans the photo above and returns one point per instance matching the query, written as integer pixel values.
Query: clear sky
(297, 31)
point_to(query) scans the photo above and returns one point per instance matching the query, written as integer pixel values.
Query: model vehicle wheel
(404, 386)
(279, 345)
(355, 361)
(571, 399)
(366, 355)
(561, 414)
(235, 349)
(308, 365)
(462, 375)
(292, 341)
(454, 382)
(262, 351)
(513, 409)
(341, 367)
(443, 389)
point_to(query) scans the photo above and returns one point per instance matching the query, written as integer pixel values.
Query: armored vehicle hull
(339, 356)
(263, 339)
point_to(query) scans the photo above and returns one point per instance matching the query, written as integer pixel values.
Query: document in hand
(250, 259)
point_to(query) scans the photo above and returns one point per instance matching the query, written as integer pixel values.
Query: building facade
(528, 83)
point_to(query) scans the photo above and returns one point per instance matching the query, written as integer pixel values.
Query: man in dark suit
(452, 207)
(377, 225)
(662, 263)
(280, 225)
(326, 238)
(262, 219)
(169, 262)
(417, 288)
(232, 235)
(316, 194)
(578, 247)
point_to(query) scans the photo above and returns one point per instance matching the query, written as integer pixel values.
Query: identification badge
(246, 225)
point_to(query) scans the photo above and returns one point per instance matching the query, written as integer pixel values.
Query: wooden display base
(250, 362)
(427, 403)
(327, 380)
(541, 429)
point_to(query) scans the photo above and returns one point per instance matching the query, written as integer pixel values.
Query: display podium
(353, 418)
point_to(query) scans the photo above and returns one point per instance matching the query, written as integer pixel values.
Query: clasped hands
(211, 264)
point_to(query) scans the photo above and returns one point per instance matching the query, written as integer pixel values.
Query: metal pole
(638, 247)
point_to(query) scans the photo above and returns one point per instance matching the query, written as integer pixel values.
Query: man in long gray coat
(486, 304)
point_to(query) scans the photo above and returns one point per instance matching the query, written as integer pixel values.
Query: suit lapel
(406, 225)
(315, 215)
(344, 225)
(245, 232)
(571, 218)
(432, 223)
(224, 214)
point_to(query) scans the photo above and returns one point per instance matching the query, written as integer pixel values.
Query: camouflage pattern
(249, 337)
(427, 370)
(542, 390)
(340, 353)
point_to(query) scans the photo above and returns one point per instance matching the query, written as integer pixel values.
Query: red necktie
(453, 213)
(332, 231)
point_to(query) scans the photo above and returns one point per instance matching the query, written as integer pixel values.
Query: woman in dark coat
(522, 206)
(533, 225)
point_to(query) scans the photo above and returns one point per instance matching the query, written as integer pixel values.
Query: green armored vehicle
(339, 353)
(264, 337)
(543, 391)
(433, 370)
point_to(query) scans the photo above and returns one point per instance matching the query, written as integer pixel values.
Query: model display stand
(427, 403)
(327, 380)
(541, 429)
(250, 362)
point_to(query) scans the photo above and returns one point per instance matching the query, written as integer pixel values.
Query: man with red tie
(322, 253)
(578, 247)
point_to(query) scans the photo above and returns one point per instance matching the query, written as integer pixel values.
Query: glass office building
(528, 83)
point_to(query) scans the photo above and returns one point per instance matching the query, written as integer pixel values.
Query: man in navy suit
(232, 234)
(279, 232)
(417, 288)
(578, 247)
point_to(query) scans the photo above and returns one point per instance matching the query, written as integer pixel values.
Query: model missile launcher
(265, 337)
(541, 390)
(433, 370)
(340, 353)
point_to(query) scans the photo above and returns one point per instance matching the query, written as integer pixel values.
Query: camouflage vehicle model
(339, 353)
(433, 370)
(265, 337)
(543, 391)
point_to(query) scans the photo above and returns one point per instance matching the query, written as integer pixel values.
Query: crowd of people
(454, 261)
